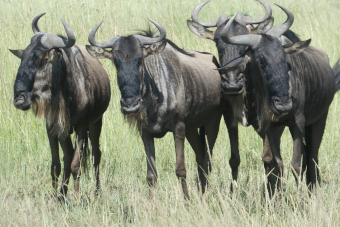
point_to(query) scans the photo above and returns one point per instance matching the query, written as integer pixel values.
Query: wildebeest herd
(266, 77)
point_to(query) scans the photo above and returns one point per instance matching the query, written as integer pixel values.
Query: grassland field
(25, 181)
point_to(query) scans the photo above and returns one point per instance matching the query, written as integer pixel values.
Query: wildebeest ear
(235, 64)
(297, 47)
(99, 52)
(263, 27)
(155, 48)
(200, 31)
(17, 53)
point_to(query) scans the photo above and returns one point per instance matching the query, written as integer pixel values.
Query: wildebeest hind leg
(211, 131)
(316, 134)
(296, 131)
(181, 173)
(81, 136)
(198, 145)
(67, 147)
(95, 130)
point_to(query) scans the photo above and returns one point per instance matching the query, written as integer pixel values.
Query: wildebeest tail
(336, 70)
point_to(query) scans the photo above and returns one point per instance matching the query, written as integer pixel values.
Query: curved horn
(35, 27)
(278, 31)
(194, 16)
(248, 20)
(51, 41)
(251, 40)
(147, 40)
(93, 42)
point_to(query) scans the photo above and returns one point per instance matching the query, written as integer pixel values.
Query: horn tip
(278, 5)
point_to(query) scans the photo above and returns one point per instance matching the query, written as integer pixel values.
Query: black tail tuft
(336, 70)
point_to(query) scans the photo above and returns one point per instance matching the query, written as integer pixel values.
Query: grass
(25, 182)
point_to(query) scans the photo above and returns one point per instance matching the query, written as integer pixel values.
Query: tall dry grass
(25, 189)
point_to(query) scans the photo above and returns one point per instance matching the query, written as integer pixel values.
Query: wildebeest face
(128, 55)
(34, 60)
(270, 58)
(269, 67)
(233, 82)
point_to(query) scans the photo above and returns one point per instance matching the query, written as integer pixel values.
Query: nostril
(277, 101)
(224, 77)
(122, 102)
(239, 76)
(19, 100)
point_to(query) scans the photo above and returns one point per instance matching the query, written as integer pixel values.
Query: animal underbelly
(315, 110)
(314, 116)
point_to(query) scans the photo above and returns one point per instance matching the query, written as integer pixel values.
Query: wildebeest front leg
(95, 130)
(55, 166)
(234, 160)
(273, 136)
(313, 141)
(68, 150)
(179, 136)
(151, 175)
(297, 131)
(81, 135)
(267, 158)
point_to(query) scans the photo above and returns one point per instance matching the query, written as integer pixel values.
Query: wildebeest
(293, 85)
(70, 90)
(165, 88)
(232, 87)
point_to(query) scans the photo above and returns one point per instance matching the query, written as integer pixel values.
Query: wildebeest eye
(60, 56)
(289, 67)
(261, 61)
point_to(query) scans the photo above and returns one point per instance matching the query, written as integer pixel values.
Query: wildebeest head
(267, 59)
(127, 54)
(233, 82)
(43, 51)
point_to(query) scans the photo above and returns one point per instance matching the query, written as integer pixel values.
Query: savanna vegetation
(25, 181)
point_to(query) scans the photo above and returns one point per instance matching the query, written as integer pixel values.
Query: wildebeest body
(165, 88)
(311, 86)
(313, 82)
(70, 90)
(185, 88)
